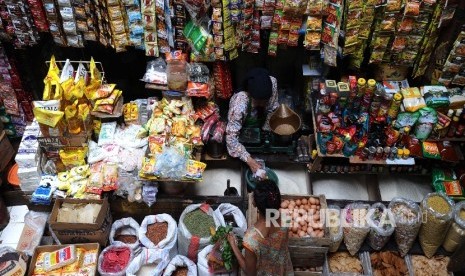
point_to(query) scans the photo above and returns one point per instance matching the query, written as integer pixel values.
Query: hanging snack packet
(195, 169)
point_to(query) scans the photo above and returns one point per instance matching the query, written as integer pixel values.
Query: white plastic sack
(185, 237)
(202, 263)
(229, 209)
(181, 261)
(168, 244)
(123, 272)
(125, 226)
(34, 222)
(147, 257)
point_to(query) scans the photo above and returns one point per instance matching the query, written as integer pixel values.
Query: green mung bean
(198, 223)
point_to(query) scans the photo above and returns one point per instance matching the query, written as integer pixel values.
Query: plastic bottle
(395, 105)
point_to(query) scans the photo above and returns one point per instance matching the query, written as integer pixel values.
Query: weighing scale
(257, 141)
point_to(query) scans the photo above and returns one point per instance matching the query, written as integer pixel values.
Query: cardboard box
(51, 248)
(6, 150)
(12, 263)
(73, 236)
(78, 226)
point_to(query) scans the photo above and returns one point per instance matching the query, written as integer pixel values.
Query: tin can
(386, 153)
(406, 154)
(400, 153)
(364, 154)
(372, 152)
(393, 154)
(379, 153)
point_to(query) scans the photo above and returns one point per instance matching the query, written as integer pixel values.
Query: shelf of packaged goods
(375, 173)
(448, 139)
(156, 87)
(402, 162)
(267, 157)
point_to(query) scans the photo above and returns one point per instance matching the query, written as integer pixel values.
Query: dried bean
(156, 232)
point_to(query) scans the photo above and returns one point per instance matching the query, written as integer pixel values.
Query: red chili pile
(115, 259)
(156, 232)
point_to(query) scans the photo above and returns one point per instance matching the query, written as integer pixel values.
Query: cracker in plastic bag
(407, 217)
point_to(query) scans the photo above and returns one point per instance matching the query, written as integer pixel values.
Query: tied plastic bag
(147, 257)
(115, 260)
(171, 164)
(355, 226)
(227, 209)
(188, 244)
(181, 261)
(456, 234)
(202, 263)
(169, 243)
(437, 211)
(125, 227)
(333, 220)
(35, 225)
(381, 226)
(407, 218)
(156, 72)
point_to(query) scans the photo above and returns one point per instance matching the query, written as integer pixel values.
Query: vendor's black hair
(267, 196)
(258, 83)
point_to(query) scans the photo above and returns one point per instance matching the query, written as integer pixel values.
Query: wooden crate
(252, 215)
(312, 256)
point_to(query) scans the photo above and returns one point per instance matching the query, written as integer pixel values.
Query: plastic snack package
(381, 226)
(438, 209)
(407, 217)
(156, 72)
(110, 176)
(80, 172)
(195, 169)
(111, 99)
(73, 157)
(333, 220)
(107, 133)
(59, 258)
(355, 226)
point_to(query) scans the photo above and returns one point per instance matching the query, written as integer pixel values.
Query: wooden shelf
(403, 162)
(156, 87)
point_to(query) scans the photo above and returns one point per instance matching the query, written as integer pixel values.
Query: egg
(304, 201)
(321, 234)
(317, 201)
(311, 211)
(295, 229)
(313, 234)
(292, 202)
(301, 234)
(318, 207)
(313, 206)
(302, 222)
(309, 230)
(312, 200)
(304, 228)
(284, 204)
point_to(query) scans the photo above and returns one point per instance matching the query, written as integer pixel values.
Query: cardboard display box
(104, 211)
(6, 150)
(51, 248)
(74, 236)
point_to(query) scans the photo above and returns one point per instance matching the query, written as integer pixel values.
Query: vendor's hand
(253, 165)
(232, 239)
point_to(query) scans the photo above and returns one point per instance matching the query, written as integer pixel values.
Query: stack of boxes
(27, 158)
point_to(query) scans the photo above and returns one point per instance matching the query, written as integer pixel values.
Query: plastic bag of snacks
(194, 229)
(407, 217)
(148, 257)
(437, 210)
(114, 260)
(381, 226)
(181, 265)
(456, 234)
(159, 232)
(125, 230)
(227, 209)
(334, 224)
(355, 226)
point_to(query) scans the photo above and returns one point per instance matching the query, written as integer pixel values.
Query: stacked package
(27, 157)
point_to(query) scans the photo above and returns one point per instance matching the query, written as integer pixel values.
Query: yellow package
(78, 90)
(104, 91)
(52, 87)
(63, 181)
(412, 92)
(94, 72)
(147, 170)
(80, 172)
(112, 99)
(73, 268)
(84, 111)
(47, 117)
(73, 157)
(195, 169)
(68, 86)
(130, 112)
(93, 86)
(78, 188)
(59, 258)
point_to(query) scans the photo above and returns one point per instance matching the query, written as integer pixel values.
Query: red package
(218, 133)
(38, 15)
(223, 80)
(207, 126)
(197, 89)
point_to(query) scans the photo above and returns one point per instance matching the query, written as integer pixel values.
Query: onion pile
(304, 215)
